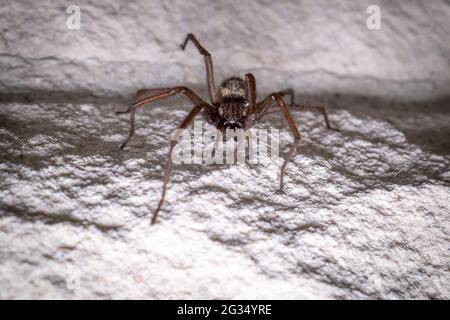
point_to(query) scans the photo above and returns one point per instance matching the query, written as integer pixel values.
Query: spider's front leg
(165, 92)
(265, 104)
(262, 107)
(208, 63)
(168, 169)
(319, 109)
(250, 93)
(140, 93)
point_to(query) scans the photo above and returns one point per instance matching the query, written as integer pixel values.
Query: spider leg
(139, 93)
(167, 92)
(289, 92)
(319, 109)
(277, 97)
(265, 104)
(208, 63)
(250, 88)
(168, 167)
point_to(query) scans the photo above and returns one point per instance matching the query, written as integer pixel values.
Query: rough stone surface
(365, 211)
(314, 46)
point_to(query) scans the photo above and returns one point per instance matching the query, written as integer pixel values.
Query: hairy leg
(264, 105)
(277, 97)
(140, 93)
(168, 167)
(208, 63)
(167, 92)
(250, 88)
(289, 92)
(318, 109)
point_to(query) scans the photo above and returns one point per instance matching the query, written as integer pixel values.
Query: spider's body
(233, 87)
(232, 107)
(231, 111)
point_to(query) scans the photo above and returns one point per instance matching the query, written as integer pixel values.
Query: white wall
(313, 46)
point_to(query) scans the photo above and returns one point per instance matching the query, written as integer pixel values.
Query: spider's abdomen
(232, 88)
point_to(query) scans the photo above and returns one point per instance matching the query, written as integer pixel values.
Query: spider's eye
(232, 126)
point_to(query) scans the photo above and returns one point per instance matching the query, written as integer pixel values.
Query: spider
(232, 107)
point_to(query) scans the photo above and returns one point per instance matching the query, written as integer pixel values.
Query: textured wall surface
(313, 46)
(365, 210)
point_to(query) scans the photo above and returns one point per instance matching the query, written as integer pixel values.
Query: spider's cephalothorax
(232, 109)
(233, 106)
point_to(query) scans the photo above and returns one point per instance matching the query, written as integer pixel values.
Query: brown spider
(232, 107)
